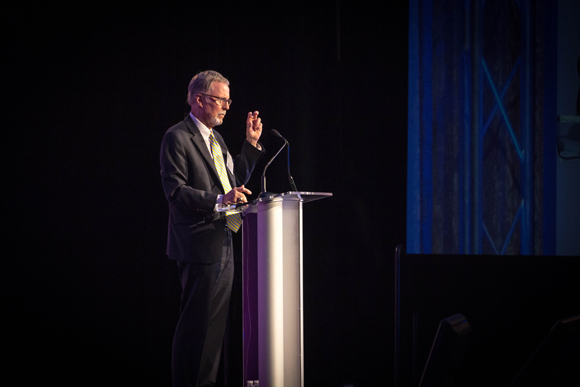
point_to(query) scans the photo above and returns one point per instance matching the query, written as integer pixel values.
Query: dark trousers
(199, 335)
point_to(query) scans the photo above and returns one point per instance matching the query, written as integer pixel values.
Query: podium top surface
(303, 196)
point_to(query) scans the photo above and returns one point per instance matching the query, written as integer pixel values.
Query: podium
(272, 289)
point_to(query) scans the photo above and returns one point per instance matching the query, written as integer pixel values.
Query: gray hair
(201, 83)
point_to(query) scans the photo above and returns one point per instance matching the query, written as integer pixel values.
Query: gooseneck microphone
(264, 193)
(290, 179)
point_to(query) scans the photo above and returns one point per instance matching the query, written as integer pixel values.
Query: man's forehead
(220, 87)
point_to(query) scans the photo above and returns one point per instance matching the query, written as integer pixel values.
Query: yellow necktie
(233, 219)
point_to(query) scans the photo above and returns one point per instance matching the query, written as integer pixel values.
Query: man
(193, 156)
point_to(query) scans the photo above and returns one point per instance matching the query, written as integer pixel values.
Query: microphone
(264, 193)
(290, 179)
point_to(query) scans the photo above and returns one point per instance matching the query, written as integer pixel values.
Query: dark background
(89, 90)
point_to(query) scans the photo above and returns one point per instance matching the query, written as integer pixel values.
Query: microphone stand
(263, 184)
(290, 178)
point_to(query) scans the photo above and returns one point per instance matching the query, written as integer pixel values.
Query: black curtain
(89, 91)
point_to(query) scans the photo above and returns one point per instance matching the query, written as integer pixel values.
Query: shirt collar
(204, 130)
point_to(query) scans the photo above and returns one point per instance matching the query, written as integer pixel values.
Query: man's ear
(198, 100)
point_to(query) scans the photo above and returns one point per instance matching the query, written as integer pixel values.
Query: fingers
(243, 189)
(237, 195)
(233, 197)
(253, 119)
(253, 128)
(240, 198)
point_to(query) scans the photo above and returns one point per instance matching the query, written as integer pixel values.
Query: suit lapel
(201, 146)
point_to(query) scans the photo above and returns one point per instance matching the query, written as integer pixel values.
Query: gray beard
(216, 121)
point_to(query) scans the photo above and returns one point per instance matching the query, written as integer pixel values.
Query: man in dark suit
(199, 175)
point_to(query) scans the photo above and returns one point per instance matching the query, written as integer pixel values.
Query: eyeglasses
(221, 101)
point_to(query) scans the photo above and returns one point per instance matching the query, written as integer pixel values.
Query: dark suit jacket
(191, 185)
